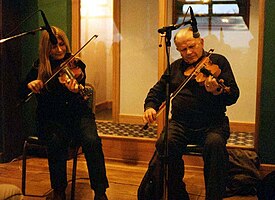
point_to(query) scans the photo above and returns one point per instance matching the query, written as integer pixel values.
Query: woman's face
(59, 50)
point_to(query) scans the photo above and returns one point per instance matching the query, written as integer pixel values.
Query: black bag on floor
(243, 175)
(151, 186)
(267, 187)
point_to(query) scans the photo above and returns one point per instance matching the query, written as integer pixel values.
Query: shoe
(59, 195)
(101, 197)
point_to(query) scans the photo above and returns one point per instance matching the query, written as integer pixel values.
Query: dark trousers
(215, 156)
(82, 132)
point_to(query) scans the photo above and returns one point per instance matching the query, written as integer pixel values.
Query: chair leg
(24, 162)
(74, 174)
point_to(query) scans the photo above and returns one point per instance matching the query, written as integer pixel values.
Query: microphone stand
(165, 145)
(164, 162)
(167, 31)
(21, 34)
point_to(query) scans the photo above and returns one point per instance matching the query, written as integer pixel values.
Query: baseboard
(103, 106)
(130, 119)
(266, 169)
(248, 127)
(128, 149)
(138, 151)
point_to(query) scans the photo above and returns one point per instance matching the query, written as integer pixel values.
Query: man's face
(191, 49)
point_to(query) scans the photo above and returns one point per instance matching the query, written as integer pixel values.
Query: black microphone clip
(167, 28)
(173, 27)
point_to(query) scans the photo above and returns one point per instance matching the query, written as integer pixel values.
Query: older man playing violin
(198, 116)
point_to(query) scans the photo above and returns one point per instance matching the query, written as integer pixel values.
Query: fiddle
(200, 77)
(205, 69)
(72, 71)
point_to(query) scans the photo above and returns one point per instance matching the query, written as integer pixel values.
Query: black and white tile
(135, 130)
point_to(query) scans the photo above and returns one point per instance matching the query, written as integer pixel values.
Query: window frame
(244, 9)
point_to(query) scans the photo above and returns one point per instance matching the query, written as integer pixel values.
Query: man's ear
(202, 42)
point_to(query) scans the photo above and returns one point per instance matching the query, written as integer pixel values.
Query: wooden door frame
(116, 63)
(116, 51)
(259, 72)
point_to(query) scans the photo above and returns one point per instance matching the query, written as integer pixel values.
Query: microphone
(196, 33)
(47, 27)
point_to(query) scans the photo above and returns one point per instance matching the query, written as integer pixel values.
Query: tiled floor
(122, 129)
(241, 138)
(135, 130)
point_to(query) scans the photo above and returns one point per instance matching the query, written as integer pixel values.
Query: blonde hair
(45, 46)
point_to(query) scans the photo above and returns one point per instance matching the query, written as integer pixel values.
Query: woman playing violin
(63, 116)
(198, 116)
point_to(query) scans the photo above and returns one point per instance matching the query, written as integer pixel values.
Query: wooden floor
(124, 180)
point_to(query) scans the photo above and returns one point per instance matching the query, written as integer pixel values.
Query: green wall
(58, 13)
(29, 46)
(267, 107)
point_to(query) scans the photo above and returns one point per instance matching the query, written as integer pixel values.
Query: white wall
(97, 19)
(139, 57)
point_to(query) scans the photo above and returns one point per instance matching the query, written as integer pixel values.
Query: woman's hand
(35, 86)
(149, 115)
(72, 85)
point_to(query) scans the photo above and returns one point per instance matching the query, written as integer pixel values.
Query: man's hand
(149, 115)
(211, 85)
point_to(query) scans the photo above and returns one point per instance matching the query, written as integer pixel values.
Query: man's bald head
(183, 35)
(190, 48)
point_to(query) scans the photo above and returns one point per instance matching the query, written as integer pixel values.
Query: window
(214, 14)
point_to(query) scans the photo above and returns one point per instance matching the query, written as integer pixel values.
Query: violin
(205, 69)
(72, 71)
(200, 77)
